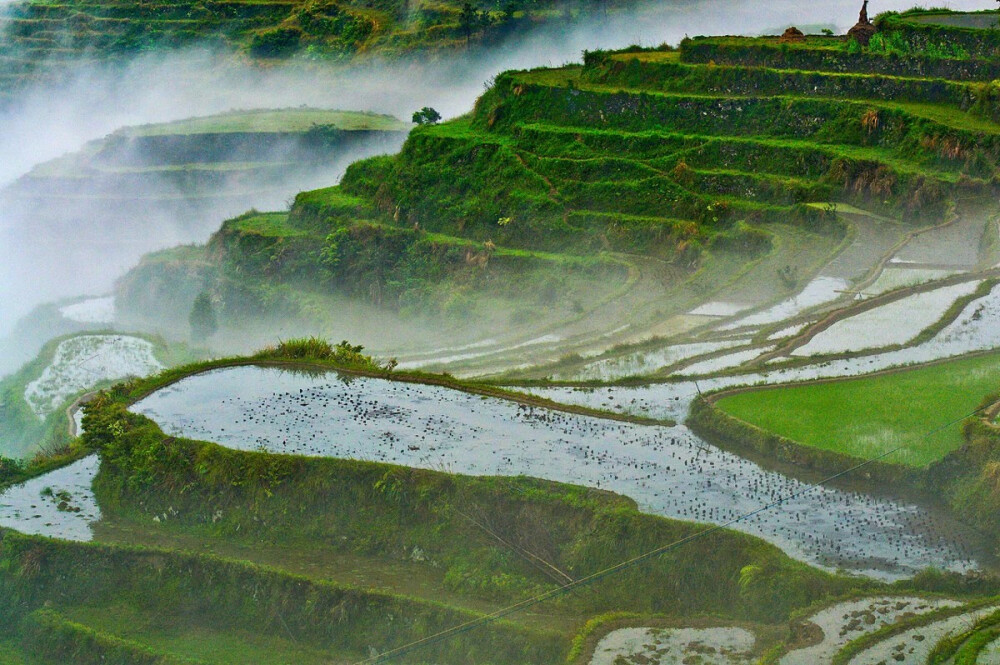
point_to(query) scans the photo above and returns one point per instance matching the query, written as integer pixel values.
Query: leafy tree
(468, 21)
(426, 116)
(202, 318)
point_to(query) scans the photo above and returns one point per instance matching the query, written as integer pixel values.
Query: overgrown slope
(689, 167)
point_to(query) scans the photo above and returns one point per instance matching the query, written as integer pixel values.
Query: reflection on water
(60, 504)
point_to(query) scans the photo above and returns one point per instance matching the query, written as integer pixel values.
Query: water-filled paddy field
(817, 292)
(977, 328)
(894, 323)
(61, 503)
(706, 646)
(82, 361)
(843, 622)
(668, 471)
(914, 646)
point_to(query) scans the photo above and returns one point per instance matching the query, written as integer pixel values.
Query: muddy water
(668, 471)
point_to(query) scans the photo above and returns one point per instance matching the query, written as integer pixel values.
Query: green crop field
(869, 416)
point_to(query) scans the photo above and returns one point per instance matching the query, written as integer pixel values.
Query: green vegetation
(344, 354)
(83, 602)
(964, 648)
(202, 318)
(478, 541)
(641, 182)
(25, 434)
(642, 177)
(869, 416)
(43, 40)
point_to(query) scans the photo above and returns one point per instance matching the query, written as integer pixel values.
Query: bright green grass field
(869, 416)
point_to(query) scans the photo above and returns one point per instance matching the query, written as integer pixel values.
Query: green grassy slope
(93, 603)
(284, 120)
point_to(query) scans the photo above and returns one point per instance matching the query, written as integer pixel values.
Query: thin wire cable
(601, 574)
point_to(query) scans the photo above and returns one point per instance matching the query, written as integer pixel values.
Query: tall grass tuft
(316, 348)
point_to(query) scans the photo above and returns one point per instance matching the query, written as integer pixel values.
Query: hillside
(730, 169)
(44, 41)
(685, 355)
(83, 218)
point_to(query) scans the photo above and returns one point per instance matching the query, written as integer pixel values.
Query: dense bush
(276, 43)
(343, 354)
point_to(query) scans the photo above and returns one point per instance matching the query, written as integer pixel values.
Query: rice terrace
(616, 333)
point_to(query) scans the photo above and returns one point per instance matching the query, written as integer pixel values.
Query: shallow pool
(60, 504)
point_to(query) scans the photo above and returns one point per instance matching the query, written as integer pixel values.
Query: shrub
(315, 348)
(10, 470)
(276, 43)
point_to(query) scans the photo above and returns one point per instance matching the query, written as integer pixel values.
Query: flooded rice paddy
(838, 625)
(83, 361)
(719, 363)
(956, 245)
(60, 504)
(91, 310)
(719, 308)
(817, 292)
(646, 362)
(668, 471)
(977, 328)
(901, 275)
(893, 323)
(847, 621)
(914, 646)
(649, 646)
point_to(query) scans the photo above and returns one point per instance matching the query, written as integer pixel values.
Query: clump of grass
(315, 348)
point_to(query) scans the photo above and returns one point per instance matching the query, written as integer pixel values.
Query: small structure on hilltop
(793, 34)
(863, 32)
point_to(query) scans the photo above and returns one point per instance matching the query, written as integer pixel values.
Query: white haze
(51, 121)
